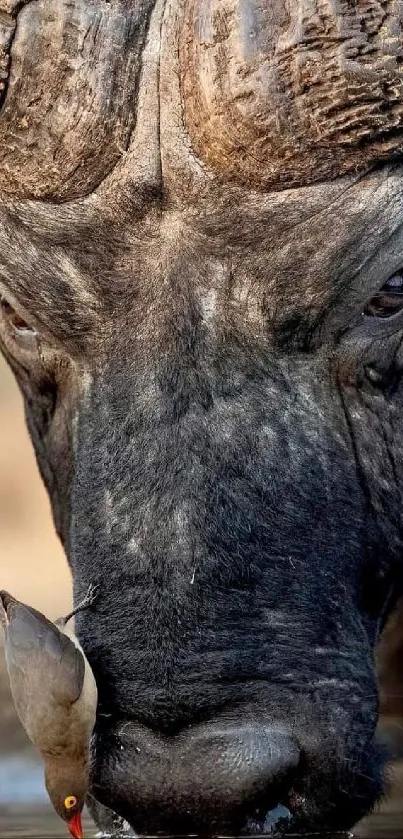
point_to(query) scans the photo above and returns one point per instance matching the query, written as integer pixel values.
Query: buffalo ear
(69, 73)
(291, 91)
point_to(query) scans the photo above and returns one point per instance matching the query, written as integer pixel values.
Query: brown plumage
(55, 696)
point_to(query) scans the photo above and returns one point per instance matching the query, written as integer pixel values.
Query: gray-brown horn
(68, 77)
(286, 92)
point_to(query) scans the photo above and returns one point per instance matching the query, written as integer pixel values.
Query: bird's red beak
(75, 827)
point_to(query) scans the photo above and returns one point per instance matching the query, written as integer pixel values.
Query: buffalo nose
(234, 776)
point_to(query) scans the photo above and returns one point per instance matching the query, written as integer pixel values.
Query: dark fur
(232, 482)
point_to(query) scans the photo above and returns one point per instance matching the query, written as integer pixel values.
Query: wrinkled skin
(217, 415)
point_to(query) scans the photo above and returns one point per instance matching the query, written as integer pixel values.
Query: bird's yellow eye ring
(70, 802)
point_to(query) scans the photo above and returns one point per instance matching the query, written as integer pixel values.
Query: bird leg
(89, 599)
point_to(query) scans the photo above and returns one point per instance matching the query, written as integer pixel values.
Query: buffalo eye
(388, 301)
(24, 334)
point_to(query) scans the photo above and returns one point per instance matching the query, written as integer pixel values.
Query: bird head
(67, 786)
(72, 815)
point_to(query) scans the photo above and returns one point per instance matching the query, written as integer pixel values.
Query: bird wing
(45, 668)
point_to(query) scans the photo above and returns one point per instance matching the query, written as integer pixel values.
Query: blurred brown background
(34, 569)
(32, 563)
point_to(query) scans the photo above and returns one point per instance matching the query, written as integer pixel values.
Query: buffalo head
(201, 282)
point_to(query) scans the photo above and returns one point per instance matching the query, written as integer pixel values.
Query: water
(25, 811)
(41, 824)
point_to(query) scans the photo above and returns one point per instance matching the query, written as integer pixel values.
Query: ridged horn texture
(287, 92)
(69, 71)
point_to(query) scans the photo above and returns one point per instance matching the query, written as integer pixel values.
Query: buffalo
(201, 283)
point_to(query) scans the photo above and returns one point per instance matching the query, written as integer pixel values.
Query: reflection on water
(24, 805)
(39, 824)
(43, 825)
(25, 811)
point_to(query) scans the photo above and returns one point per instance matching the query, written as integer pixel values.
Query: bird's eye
(23, 333)
(388, 301)
(70, 802)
